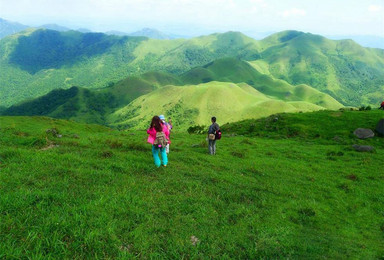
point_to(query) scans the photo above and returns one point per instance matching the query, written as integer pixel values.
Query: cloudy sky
(195, 17)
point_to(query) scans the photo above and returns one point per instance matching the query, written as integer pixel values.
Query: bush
(363, 108)
(197, 129)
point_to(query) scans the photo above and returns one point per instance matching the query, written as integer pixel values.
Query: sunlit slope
(91, 105)
(343, 69)
(238, 71)
(195, 104)
(255, 94)
(33, 63)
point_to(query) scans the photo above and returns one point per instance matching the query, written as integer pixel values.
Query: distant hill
(235, 91)
(345, 70)
(151, 33)
(8, 28)
(364, 40)
(54, 27)
(35, 62)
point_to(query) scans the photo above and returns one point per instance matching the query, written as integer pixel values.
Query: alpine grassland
(283, 186)
(232, 87)
(35, 62)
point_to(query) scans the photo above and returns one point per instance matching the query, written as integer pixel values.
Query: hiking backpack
(161, 140)
(218, 135)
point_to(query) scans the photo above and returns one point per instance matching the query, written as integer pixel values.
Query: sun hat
(162, 117)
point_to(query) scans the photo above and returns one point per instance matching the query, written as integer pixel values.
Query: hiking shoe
(165, 165)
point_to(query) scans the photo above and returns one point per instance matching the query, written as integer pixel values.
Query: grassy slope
(341, 68)
(102, 60)
(237, 71)
(350, 73)
(195, 104)
(98, 195)
(240, 102)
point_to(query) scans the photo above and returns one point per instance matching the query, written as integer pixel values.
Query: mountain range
(123, 80)
(189, 98)
(9, 28)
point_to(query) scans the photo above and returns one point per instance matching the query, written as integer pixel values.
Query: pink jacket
(152, 134)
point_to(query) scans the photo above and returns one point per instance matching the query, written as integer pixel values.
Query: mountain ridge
(348, 72)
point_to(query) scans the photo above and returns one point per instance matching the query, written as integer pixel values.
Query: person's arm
(216, 127)
(151, 131)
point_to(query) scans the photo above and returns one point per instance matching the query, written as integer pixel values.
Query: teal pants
(155, 153)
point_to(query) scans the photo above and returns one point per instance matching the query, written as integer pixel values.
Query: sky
(198, 17)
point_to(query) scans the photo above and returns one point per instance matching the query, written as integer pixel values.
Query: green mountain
(8, 28)
(350, 73)
(234, 90)
(34, 62)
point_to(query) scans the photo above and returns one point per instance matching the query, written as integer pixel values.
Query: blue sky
(195, 17)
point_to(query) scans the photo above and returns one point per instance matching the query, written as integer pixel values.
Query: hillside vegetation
(34, 62)
(290, 187)
(229, 88)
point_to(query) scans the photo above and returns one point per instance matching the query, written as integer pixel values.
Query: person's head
(156, 123)
(213, 119)
(162, 118)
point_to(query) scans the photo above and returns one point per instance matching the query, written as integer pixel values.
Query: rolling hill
(343, 69)
(34, 62)
(8, 28)
(234, 90)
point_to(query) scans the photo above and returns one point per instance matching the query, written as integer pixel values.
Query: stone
(362, 148)
(364, 133)
(380, 127)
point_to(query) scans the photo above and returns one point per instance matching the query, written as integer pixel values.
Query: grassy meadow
(286, 186)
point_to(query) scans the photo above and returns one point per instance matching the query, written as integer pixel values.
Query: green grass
(97, 193)
(230, 88)
(195, 104)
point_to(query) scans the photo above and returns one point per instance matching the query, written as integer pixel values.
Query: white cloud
(374, 8)
(293, 12)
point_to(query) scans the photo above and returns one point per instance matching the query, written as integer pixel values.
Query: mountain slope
(8, 28)
(196, 104)
(234, 90)
(342, 69)
(91, 106)
(237, 71)
(36, 61)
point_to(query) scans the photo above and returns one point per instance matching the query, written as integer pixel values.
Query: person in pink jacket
(155, 127)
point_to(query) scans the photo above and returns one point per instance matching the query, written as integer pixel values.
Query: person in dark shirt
(211, 136)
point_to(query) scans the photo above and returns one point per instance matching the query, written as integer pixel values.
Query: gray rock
(362, 148)
(52, 131)
(363, 133)
(380, 127)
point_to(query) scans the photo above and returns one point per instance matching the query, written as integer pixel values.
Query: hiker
(211, 136)
(382, 105)
(169, 126)
(159, 138)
